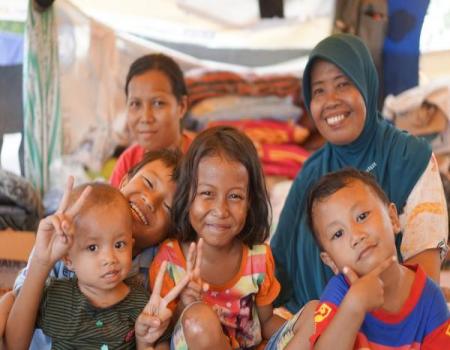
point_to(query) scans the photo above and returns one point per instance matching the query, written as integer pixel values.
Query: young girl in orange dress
(221, 212)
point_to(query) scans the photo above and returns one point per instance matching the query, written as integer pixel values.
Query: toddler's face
(101, 252)
(220, 206)
(355, 228)
(150, 194)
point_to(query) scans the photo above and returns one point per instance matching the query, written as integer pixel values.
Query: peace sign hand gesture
(55, 232)
(155, 318)
(367, 292)
(195, 288)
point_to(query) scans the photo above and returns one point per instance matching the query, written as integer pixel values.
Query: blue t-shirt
(423, 321)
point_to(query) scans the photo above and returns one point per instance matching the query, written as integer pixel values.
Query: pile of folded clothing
(267, 108)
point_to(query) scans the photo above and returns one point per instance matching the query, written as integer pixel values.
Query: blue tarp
(11, 49)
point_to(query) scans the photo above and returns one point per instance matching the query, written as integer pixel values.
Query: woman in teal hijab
(340, 88)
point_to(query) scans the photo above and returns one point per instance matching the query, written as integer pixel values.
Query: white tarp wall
(94, 54)
(94, 59)
(217, 24)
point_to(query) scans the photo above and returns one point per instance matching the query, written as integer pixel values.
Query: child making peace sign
(221, 212)
(91, 232)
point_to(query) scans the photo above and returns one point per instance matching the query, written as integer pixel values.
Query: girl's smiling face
(150, 194)
(219, 209)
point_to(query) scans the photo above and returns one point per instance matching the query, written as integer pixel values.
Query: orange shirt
(236, 301)
(134, 154)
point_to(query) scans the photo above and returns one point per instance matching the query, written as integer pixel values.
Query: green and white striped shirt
(73, 323)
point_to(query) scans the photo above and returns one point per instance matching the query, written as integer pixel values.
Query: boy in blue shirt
(373, 301)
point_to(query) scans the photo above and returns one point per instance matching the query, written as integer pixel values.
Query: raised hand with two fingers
(155, 318)
(367, 292)
(55, 232)
(196, 286)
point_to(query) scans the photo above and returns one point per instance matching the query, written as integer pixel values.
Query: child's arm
(163, 345)
(6, 303)
(304, 327)
(270, 322)
(195, 286)
(22, 318)
(191, 289)
(53, 240)
(155, 317)
(268, 291)
(365, 294)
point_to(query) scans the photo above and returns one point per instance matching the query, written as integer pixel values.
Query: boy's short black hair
(329, 184)
(234, 145)
(170, 158)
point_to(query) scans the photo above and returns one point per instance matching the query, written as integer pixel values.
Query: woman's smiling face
(337, 107)
(153, 111)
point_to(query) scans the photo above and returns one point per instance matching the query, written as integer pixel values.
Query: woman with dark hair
(156, 103)
(340, 89)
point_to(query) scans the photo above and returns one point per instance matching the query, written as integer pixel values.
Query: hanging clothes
(41, 99)
(367, 19)
(401, 45)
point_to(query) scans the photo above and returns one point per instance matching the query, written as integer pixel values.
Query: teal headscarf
(395, 158)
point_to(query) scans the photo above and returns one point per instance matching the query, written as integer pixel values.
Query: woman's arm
(430, 261)
(424, 222)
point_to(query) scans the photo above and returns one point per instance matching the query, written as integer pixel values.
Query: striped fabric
(41, 101)
(73, 323)
(267, 131)
(213, 84)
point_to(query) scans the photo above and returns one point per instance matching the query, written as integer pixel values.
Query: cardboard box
(16, 245)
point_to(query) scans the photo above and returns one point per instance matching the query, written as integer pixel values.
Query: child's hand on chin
(155, 318)
(446, 291)
(367, 292)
